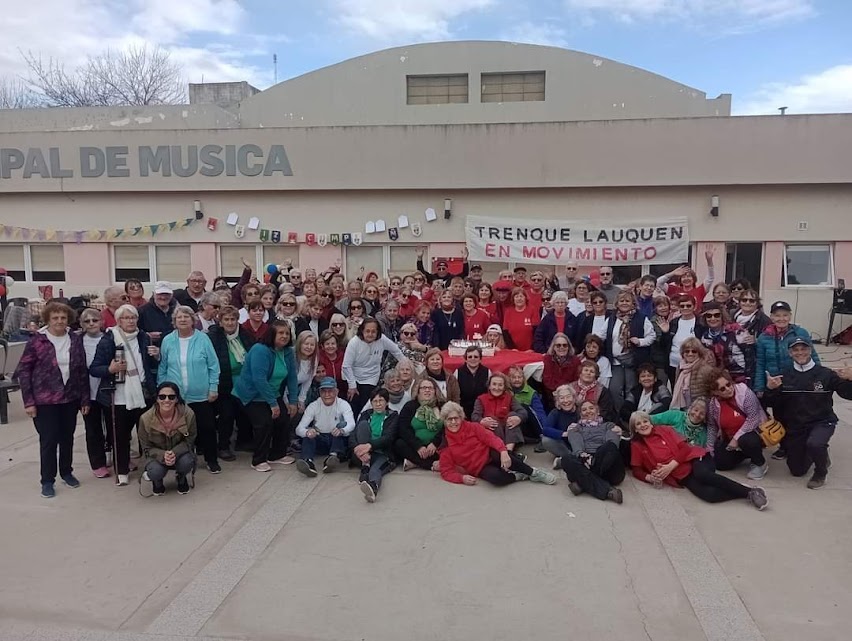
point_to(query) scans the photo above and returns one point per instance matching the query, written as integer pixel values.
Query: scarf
(624, 332)
(440, 376)
(396, 397)
(680, 393)
(562, 361)
(134, 395)
(583, 391)
(236, 347)
(426, 413)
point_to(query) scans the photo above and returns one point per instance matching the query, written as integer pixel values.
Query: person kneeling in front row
(324, 428)
(373, 439)
(473, 451)
(167, 432)
(661, 455)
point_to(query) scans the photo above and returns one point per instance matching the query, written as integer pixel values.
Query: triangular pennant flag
(135, 231)
(154, 229)
(118, 232)
(172, 224)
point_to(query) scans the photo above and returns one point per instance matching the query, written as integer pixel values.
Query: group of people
(310, 369)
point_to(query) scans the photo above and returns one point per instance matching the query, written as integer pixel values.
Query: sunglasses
(91, 320)
(713, 315)
(325, 295)
(166, 397)
(598, 302)
(686, 305)
(356, 307)
(690, 351)
(560, 344)
(606, 273)
(409, 333)
(737, 289)
(570, 269)
(338, 324)
(748, 300)
(724, 387)
(288, 304)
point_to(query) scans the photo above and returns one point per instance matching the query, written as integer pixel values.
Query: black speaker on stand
(842, 304)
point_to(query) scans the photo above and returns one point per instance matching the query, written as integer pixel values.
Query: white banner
(555, 242)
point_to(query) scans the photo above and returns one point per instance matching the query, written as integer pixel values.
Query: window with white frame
(278, 254)
(132, 261)
(231, 260)
(173, 263)
(402, 260)
(12, 260)
(808, 265)
(47, 263)
(370, 257)
(150, 263)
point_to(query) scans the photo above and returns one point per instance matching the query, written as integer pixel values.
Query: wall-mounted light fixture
(714, 206)
(196, 206)
(448, 208)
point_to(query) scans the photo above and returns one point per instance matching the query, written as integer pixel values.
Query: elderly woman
(447, 382)
(409, 344)
(357, 309)
(694, 371)
(339, 328)
(52, 374)
(530, 400)
(588, 388)
(398, 395)
(476, 321)
(628, 339)
(249, 294)
(448, 321)
(330, 357)
(373, 439)
(650, 395)
(485, 301)
(287, 308)
(473, 379)
(691, 424)
(306, 364)
(660, 455)
(734, 416)
(167, 432)
(555, 426)
(422, 320)
(723, 338)
(362, 362)
(660, 349)
(557, 321)
(97, 417)
(577, 304)
(595, 464)
(188, 359)
(208, 310)
(126, 362)
(499, 411)
(520, 320)
(474, 452)
(407, 373)
(231, 342)
(561, 366)
(688, 281)
(135, 292)
(595, 322)
(268, 391)
(421, 429)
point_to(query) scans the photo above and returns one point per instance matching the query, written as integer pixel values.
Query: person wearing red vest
(499, 411)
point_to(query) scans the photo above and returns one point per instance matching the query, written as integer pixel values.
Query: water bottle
(119, 356)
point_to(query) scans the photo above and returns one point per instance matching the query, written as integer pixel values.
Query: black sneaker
(183, 485)
(369, 490)
(71, 481)
(47, 490)
(615, 494)
(306, 467)
(816, 482)
(227, 455)
(330, 463)
(159, 488)
(214, 467)
(575, 488)
(365, 473)
(780, 454)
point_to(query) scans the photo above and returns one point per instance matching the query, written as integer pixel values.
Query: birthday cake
(458, 346)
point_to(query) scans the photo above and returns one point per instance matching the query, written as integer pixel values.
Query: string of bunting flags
(62, 236)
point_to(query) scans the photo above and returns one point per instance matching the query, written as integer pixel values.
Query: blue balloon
(271, 269)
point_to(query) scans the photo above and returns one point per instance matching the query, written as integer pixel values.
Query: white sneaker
(557, 463)
(757, 472)
(123, 479)
(262, 467)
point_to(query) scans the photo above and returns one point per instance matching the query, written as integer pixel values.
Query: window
(808, 265)
(370, 257)
(231, 260)
(402, 260)
(743, 260)
(47, 262)
(278, 254)
(437, 90)
(173, 262)
(12, 259)
(513, 87)
(132, 261)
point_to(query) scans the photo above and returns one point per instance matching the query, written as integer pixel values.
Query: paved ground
(282, 557)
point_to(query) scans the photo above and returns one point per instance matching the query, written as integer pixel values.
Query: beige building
(501, 130)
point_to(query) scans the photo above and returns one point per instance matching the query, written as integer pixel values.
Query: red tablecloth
(500, 362)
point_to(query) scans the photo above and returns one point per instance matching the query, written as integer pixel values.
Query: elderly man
(390, 320)
(114, 297)
(156, 317)
(442, 271)
(296, 282)
(354, 289)
(607, 288)
(191, 296)
(569, 278)
(208, 309)
(324, 428)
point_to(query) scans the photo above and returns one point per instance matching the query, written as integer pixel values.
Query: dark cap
(328, 383)
(799, 340)
(441, 263)
(780, 306)
(520, 268)
(479, 267)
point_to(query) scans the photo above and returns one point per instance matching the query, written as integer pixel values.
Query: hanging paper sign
(264, 235)
(239, 231)
(334, 239)
(254, 223)
(292, 237)
(431, 215)
(276, 236)
(370, 227)
(416, 229)
(357, 239)
(233, 217)
(212, 223)
(311, 239)
(402, 222)
(322, 240)
(380, 226)
(347, 239)
(393, 233)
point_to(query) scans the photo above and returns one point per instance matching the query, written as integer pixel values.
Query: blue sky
(767, 53)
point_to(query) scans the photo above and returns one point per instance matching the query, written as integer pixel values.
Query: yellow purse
(771, 431)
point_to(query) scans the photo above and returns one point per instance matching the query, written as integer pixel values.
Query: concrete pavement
(279, 556)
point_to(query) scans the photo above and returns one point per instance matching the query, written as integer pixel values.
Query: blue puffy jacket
(773, 354)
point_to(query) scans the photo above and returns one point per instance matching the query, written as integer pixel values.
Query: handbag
(771, 431)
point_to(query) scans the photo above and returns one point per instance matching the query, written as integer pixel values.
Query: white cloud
(405, 19)
(537, 33)
(829, 91)
(71, 30)
(733, 12)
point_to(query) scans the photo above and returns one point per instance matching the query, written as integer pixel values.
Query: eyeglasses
(724, 387)
(409, 333)
(338, 324)
(690, 351)
(606, 273)
(598, 301)
(91, 320)
(166, 397)
(418, 279)
(748, 300)
(570, 269)
(536, 279)
(356, 307)
(713, 315)
(295, 277)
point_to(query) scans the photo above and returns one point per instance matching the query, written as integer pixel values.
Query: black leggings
(98, 424)
(496, 475)
(607, 470)
(709, 486)
(751, 447)
(405, 451)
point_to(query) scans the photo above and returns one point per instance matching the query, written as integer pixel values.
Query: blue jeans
(183, 465)
(378, 467)
(323, 444)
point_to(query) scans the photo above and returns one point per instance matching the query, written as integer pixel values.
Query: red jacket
(555, 375)
(467, 451)
(663, 445)
(334, 368)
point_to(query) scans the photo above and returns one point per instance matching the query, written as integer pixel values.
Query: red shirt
(698, 293)
(490, 309)
(535, 299)
(520, 326)
(476, 323)
(560, 323)
(108, 318)
(731, 418)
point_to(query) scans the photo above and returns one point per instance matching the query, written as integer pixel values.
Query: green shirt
(377, 421)
(236, 366)
(279, 372)
(424, 434)
(694, 435)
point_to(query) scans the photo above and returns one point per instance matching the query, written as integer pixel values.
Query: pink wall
(87, 263)
(203, 259)
(843, 262)
(773, 256)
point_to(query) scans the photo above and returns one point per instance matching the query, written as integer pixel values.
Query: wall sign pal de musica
(181, 161)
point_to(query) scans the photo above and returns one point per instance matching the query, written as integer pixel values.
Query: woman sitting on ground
(398, 396)
(651, 395)
(500, 412)
(691, 424)
(661, 455)
(421, 429)
(447, 382)
(474, 452)
(530, 400)
(595, 464)
(372, 442)
(588, 388)
(167, 433)
(555, 428)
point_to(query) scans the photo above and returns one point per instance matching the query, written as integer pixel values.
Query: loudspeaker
(842, 303)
